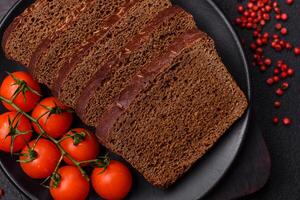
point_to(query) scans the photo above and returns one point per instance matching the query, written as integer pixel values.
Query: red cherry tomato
(71, 185)
(81, 145)
(40, 159)
(112, 183)
(29, 91)
(54, 117)
(16, 127)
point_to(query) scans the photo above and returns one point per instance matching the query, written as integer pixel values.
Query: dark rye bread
(173, 111)
(52, 53)
(115, 75)
(74, 77)
(38, 21)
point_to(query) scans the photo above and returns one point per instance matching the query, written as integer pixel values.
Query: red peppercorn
(253, 15)
(278, 17)
(268, 61)
(286, 121)
(266, 35)
(270, 81)
(284, 31)
(278, 26)
(256, 34)
(284, 67)
(285, 85)
(266, 16)
(249, 25)
(276, 71)
(297, 51)
(253, 46)
(268, 8)
(279, 63)
(288, 46)
(276, 79)
(275, 36)
(277, 104)
(246, 13)
(290, 72)
(275, 120)
(277, 47)
(259, 50)
(250, 5)
(262, 68)
(282, 43)
(283, 75)
(259, 42)
(238, 21)
(277, 10)
(289, 2)
(240, 8)
(279, 92)
(284, 16)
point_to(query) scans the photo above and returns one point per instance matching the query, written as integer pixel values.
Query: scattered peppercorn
(297, 51)
(278, 26)
(284, 31)
(289, 2)
(290, 72)
(277, 104)
(284, 16)
(279, 92)
(275, 120)
(270, 81)
(254, 16)
(286, 121)
(285, 85)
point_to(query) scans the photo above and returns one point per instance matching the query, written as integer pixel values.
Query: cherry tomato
(112, 183)
(81, 145)
(54, 117)
(16, 127)
(27, 88)
(40, 159)
(71, 185)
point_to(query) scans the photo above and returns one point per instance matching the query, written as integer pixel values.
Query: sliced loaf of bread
(112, 78)
(74, 76)
(38, 21)
(173, 111)
(55, 50)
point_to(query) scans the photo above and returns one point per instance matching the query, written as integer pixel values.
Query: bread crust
(15, 24)
(32, 9)
(44, 45)
(134, 44)
(140, 81)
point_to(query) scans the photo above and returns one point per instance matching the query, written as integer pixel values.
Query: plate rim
(248, 92)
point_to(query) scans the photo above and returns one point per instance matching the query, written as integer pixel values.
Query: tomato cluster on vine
(40, 131)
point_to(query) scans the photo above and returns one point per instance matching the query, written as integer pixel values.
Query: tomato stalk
(101, 162)
(44, 133)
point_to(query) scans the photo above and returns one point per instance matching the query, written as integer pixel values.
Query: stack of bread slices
(138, 70)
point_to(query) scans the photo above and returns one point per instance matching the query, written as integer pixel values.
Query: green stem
(43, 132)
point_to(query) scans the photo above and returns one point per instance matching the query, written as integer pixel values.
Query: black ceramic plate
(208, 170)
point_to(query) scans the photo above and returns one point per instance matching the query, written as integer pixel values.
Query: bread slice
(73, 77)
(115, 75)
(38, 21)
(173, 111)
(52, 53)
